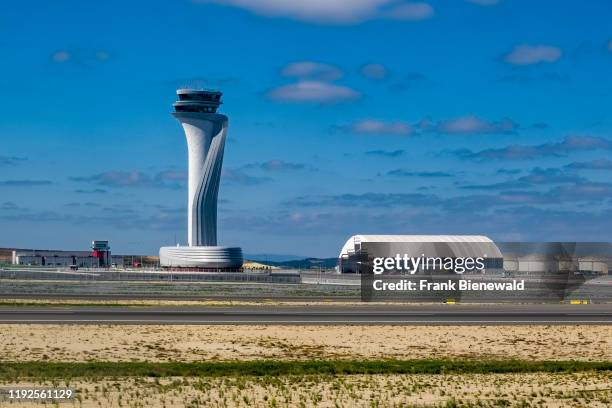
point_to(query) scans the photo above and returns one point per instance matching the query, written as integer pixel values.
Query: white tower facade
(206, 131)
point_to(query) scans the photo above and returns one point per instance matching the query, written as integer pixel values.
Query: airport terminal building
(81, 259)
(98, 256)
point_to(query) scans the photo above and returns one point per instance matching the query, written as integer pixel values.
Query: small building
(101, 251)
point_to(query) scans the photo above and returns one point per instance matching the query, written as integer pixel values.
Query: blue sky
(346, 117)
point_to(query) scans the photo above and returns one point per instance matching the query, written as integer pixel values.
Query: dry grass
(475, 390)
(221, 343)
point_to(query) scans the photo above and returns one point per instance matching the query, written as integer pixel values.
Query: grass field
(445, 384)
(64, 370)
(178, 289)
(306, 366)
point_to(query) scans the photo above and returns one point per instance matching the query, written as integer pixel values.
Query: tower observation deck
(191, 100)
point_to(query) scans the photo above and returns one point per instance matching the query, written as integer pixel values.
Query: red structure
(101, 251)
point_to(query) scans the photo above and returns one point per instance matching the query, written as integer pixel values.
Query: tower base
(204, 257)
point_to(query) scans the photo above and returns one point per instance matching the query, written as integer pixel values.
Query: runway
(316, 315)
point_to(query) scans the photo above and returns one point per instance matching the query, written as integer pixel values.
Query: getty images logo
(412, 264)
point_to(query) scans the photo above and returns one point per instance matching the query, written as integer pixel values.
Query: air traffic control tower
(206, 131)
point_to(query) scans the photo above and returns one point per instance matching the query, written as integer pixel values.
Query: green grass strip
(46, 370)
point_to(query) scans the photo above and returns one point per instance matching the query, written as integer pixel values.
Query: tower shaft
(206, 134)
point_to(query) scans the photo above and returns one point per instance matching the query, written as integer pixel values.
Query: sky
(346, 117)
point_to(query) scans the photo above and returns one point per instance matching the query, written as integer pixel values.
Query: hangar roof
(459, 242)
(420, 238)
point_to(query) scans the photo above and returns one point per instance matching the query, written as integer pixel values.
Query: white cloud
(313, 91)
(484, 2)
(470, 124)
(79, 56)
(370, 126)
(533, 54)
(276, 165)
(374, 71)
(465, 125)
(60, 56)
(238, 176)
(410, 12)
(312, 70)
(102, 55)
(332, 11)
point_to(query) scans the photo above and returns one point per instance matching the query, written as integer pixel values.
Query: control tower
(206, 131)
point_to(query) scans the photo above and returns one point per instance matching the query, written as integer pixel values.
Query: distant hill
(305, 263)
(273, 257)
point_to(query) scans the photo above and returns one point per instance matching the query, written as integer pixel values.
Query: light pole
(319, 271)
(362, 263)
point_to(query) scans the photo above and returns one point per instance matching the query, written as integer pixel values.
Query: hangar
(358, 251)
